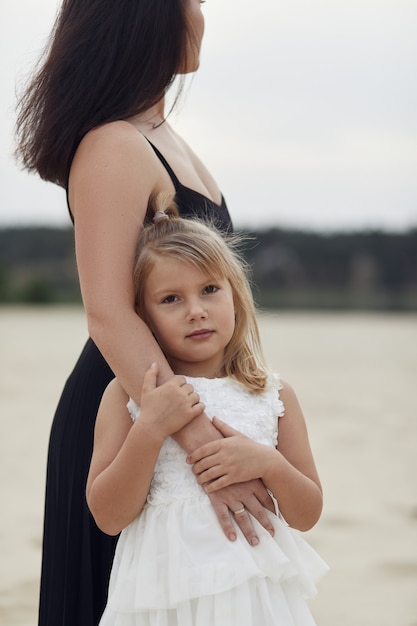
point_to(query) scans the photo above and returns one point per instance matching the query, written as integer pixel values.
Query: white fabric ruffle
(178, 570)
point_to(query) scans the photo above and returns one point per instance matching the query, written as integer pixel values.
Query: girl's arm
(125, 454)
(288, 471)
(113, 175)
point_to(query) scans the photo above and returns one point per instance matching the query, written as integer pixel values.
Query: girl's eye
(211, 289)
(168, 299)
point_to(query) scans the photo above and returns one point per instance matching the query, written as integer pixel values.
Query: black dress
(77, 556)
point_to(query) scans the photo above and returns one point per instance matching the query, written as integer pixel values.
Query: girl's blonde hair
(192, 241)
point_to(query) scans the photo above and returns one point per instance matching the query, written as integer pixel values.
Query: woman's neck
(151, 118)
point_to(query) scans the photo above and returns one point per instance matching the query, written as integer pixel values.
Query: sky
(305, 112)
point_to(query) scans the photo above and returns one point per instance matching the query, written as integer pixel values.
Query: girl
(173, 565)
(93, 120)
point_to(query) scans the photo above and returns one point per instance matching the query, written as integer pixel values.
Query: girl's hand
(234, 459)
(169, 407)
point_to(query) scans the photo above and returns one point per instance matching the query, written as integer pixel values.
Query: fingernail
(232, 536)
(254, 541)
(271, 532)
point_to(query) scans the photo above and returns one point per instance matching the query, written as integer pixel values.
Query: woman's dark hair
(106, 60)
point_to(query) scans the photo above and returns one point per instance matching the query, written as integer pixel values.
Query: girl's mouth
(202, 333)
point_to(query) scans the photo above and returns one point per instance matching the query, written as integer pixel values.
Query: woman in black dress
(93, 121)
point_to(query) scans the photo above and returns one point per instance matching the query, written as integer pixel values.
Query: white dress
(174, 566)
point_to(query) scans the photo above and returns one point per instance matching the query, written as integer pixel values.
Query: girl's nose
(196, 311)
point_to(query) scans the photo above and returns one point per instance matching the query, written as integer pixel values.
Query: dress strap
(165, 163)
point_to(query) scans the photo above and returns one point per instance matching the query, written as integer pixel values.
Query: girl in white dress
(173, 564)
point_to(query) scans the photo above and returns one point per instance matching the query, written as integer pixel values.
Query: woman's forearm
(196, 433)
(129, 348)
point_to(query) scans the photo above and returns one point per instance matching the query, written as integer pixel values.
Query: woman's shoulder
(114, 136)
(114, 155)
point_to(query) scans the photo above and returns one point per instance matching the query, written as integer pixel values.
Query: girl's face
(191, 315)
(195, 18)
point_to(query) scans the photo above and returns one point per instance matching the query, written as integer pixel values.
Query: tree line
(363, 270)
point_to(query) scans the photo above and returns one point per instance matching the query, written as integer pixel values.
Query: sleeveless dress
(173, 565)
(77, 556)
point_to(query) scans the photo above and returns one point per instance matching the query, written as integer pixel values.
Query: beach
(355, 376)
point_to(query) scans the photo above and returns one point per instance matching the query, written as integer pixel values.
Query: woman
(93, 121)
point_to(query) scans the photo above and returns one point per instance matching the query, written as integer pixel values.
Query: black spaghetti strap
(165, 163)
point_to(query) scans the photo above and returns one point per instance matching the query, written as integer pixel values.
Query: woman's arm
(111, 180)
(288, 471)
(113, 175)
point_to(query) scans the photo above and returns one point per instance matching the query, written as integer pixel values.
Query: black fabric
(192, 203)
(77, 556)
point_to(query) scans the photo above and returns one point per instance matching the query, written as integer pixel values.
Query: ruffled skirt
(174, 567)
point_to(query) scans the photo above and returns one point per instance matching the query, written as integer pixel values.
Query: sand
(356, 378)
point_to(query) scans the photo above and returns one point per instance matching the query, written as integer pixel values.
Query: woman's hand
(239, 500)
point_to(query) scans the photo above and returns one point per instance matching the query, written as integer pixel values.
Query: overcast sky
(305, 112)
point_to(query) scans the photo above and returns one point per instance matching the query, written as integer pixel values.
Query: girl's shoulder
(112, 417)
(114, 394)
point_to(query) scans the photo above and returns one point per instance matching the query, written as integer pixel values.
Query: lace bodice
(256, 416)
